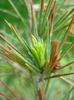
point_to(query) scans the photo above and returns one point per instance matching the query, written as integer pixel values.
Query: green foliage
(37, 51)
(43, 51)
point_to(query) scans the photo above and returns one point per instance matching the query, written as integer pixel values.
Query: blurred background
(16, 78)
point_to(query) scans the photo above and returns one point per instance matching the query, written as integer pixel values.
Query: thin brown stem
(8, 56)
(32, 14)
(58, 75)
(6, 96)
(52, 10)
(1, 46)
(32, 11)
(71, 11)
(42, 5)
(66, 51)
(40, 94)
(14, 59)
(52, 18)
(9, 43)
(9, 47)
(31, 6)
(22, 3)
(54, 61)
(69, 28)
(61, 67)
(5, 40)
(9, 89)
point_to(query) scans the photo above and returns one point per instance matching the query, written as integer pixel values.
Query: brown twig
(71, 11)
(40, 94)
(9, 89)
(1, 46)
(9, 47)
(66, 65)
(66, 51)
(5, 40)
(54, 61)
(22, 3)
(31, 4)
(8, 56)
(42, 5)
(52, 18)
(52, 10)
(58, 75)
(5, 96)
(69, 28)
(14, 59)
